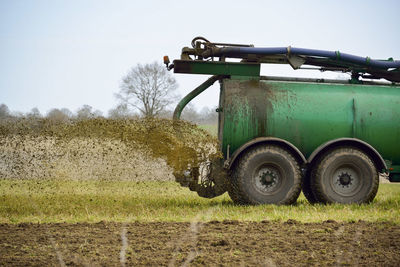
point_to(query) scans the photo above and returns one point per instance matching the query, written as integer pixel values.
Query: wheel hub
(267, 179)
(345, 179)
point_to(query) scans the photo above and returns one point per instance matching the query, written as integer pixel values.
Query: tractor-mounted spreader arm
(203, 50)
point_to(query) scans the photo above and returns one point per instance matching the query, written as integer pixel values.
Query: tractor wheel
(232, 191)
(345, 175)
(265, 175)
(307, 189)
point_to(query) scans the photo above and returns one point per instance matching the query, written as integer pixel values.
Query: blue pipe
(311, 52)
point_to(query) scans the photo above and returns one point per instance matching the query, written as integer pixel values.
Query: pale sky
(56, 54)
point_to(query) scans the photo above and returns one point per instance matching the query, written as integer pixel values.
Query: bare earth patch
(228, 243)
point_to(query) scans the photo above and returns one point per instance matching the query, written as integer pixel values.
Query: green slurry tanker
(278, 136)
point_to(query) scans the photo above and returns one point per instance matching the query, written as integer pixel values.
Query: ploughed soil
(227, 243)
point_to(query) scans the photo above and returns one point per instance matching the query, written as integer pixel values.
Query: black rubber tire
(247, 186)
(232, 192)
(307, 188)
(361, 178)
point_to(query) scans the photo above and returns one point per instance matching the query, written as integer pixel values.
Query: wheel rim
(346, 180)
(267, 179)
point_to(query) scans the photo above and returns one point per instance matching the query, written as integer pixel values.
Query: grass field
(122, 201)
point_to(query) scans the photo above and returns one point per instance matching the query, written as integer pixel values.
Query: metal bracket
(295, 61)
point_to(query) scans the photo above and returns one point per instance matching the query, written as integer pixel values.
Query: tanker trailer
(278, 135)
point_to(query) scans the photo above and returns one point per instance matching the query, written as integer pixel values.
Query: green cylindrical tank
(308, 114)
(328, 138)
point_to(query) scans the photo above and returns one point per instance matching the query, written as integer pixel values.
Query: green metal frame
(198, 90)
(217, 68)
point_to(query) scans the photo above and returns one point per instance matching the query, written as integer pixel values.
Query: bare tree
(57, 115)
(67, 112)
(205, 116)
(166, 114)
(190, 114)
(120, 112)
(150, 88)
(209, 115)
(34, 114)
(4, 111)
(86, 112)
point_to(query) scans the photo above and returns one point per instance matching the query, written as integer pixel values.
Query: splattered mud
(227, 243)
(131, 149)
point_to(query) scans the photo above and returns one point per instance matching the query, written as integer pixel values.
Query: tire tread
(316, 181)
(235, 190)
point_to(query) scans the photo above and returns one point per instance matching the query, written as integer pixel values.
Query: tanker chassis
(329, 138)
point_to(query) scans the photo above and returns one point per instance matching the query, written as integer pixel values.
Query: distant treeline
(190, 113)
